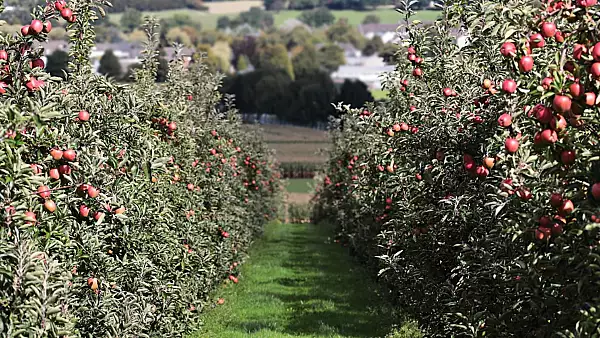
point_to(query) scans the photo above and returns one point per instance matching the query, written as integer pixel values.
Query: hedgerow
(123, 206)
(475, 191)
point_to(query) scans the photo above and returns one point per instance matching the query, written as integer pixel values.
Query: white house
(387, 32)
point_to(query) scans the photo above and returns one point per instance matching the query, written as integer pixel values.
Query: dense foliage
(476, 188)
(122, 206)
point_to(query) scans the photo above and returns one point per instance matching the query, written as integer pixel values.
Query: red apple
(567, 157)
(509, 86)
(3, 55)
(576, 89)
(590, 98)
(537, 41)
(556, 200)
(25, 30)
(596, 191)
(508, 49)
(64, 169)
(84, 211)
(43, 191)
(83, 116)
(566, 207)
(60, 5)
(548, 29)
(595, 70)
(92, 192)
(36, 27)
(558, 123)
(526, 64)
(56, 154)
(47, 27)
(50, 205)
(596, 51)
(54, 174)
(548, 136)
(561, 103)
(38, 63)
(511, 145)
(66, 13)
(70, 155)
(542, 113)
(505, 120)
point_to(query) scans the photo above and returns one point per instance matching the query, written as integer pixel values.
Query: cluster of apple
(416, 61)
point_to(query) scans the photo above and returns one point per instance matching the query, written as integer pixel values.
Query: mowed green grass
(299, 185)
(209, 20)
(299, 283)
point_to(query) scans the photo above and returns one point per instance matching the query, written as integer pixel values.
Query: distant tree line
(305, 100)
(336, 4)
(155, 5)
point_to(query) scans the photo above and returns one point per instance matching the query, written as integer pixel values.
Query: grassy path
(297, 283)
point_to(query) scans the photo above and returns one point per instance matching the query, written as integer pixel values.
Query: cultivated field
(209, 19)
(296, 144)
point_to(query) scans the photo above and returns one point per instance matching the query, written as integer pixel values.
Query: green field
(299, 185)
(209, 20)
(300, 283)
(379, 94)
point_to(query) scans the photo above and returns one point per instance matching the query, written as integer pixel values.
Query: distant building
(369, 74)
(289, 24)
(387, 32)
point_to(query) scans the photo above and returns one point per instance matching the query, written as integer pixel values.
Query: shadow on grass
(327, 294)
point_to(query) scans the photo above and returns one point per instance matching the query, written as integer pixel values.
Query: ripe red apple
(30, 218)
(566, 207)
(54, 174)
(50, 206)
(396, 127)
(411, 50)
(3, 55)
(70, 155)
(509, 86)
(548, 136)
(526, 64)
(524, 194)
(595, 70)
(537, 41)
(556, 200)
(47, 27)
(567, 157)
(545, 222)
(511, 145)
(404, 126)
(546, 82)
(38, 63)
(417, 72)
(66, 13)
(190, 186)
(542, 113)
(60, 5)
(489, 162)
(557, 229)
(508, 49)
(596, 51)
(578, 51)
(558, 123)
(36, 27)
(98, 215)
(411, 57)
(64, 169)
(84, 211)
(559, 37)
(72, 19)
(590, 98)
(44, 191)
(596, 191)
(576, 89)
(83, 116)
(482, 171)
(548, 29)
(447, 92)
(92, 192)
(25, 30)
(172, 126)
(505, 120)
(561, 103)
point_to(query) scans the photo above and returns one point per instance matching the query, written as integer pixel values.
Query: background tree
(178, 35)
(304, 4)
(342, 31)
(275, 56)
(331, 57)
(389, 53)
(205, 55)
(299, 36)
(305, 62)
(131, 19)
(354, 93)
(128, 77)
(312, 95)
(257, 17)
(57, 63)
(110, 65)
(242, 63)
(317, 17)
(373, 46)
(223, 22)
(371, 18)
